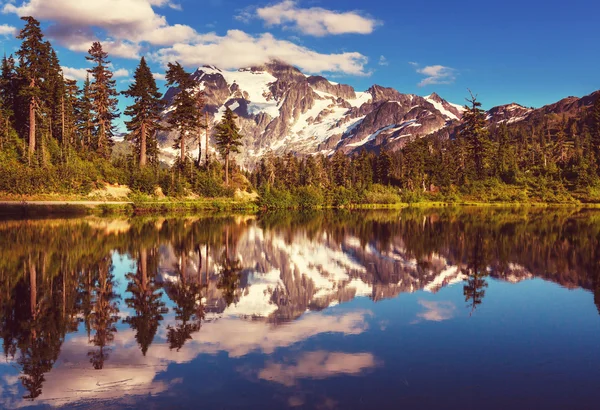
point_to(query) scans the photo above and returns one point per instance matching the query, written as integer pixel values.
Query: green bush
(309, 197)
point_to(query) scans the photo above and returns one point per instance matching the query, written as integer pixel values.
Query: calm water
(461, 309)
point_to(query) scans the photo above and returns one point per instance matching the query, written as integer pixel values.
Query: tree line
(546, 158)
(58, 137)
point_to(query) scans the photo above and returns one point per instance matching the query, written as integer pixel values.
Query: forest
(59, 138)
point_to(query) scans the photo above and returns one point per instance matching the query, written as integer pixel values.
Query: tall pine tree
(476, 135)
(104, 100)
(228, 139)
(185, 117)
(144, 112)
(33, 63)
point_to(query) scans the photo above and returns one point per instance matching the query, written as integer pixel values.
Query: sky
(531, 52)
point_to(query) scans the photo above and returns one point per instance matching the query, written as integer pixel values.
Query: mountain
(281, 109)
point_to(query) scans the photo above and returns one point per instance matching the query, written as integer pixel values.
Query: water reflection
(107, 305)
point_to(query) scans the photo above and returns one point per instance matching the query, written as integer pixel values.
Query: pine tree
(53, 93)
(475, 133)
(228, 139)
(8, 98)
(70, 110)
(8, 86)
(104, 100)
(32, 67)
(185, 117)
(145, 110)
(85, 114)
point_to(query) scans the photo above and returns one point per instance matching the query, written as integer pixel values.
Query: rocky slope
(280, 109)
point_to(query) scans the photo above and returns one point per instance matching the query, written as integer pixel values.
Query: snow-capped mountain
(281, 109)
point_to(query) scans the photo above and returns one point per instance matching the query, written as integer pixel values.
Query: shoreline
(95, 207)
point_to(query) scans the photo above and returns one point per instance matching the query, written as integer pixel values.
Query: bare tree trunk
(62, 119)
(143, 159)
(31, 126)
(206, 147)
(101, 138)
(227, 169)
(182, 144)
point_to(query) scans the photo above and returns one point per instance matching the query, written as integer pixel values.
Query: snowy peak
(452, 112)
(282, 110)
(343, 91)
(508, 113)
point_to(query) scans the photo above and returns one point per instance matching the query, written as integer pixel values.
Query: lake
(448, 308)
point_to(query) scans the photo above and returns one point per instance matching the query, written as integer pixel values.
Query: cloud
(436, 311)
(131, 28)
(167, 3)
(239, 49)
(159, 76)
(435, 74)
(128, 373)
(127, 23)
(121, 72)
(317, 365)
(383, 61)
(82, 73)
(6, 30)
(314, 21)
(75, 73)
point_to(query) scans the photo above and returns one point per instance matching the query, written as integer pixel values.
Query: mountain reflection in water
(101, 309)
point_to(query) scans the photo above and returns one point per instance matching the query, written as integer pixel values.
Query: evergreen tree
(476, 135)
(85, 114)
(33, 61)
(104, 100)
(228, 139)
(185, 117)
(145, 110)
(8, 86)
(145, 301)
(70, 105)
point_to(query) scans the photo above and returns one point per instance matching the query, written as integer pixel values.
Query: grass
(146, 205)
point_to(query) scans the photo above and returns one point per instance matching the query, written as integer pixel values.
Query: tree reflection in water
(104, 315)
(58, 274)
(145, 299)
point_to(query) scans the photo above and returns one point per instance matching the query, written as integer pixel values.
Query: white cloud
(75, 73)
(239, 49)
(314, 21)
(436, 74)
(127, 23)
(131, 28)
(6, 30)
(383, 61)
(128, 373)
(159, 76)
(121, 72)
(167, 3)
(317, 365)
(436, 311)
(82, 73)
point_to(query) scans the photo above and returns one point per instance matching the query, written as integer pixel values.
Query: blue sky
(529, 52)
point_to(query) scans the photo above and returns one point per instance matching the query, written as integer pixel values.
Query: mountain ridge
(282, 110)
